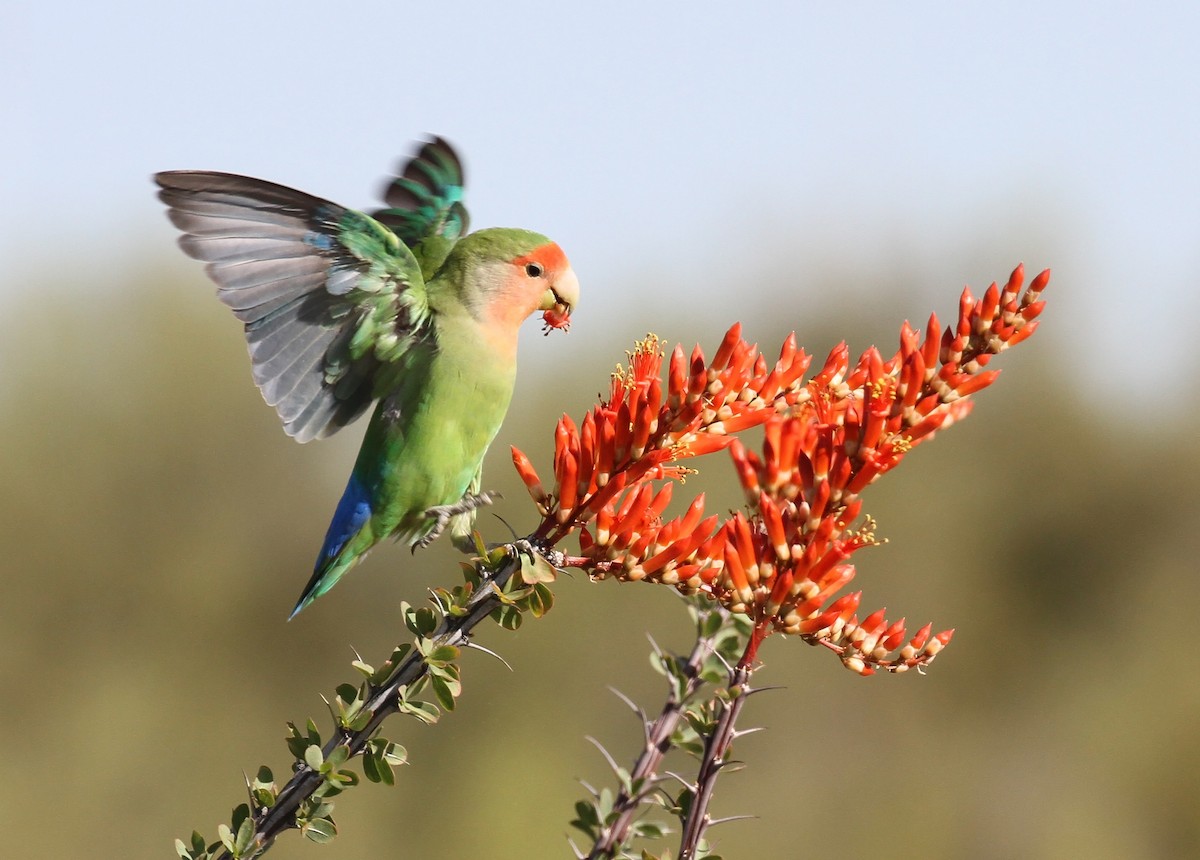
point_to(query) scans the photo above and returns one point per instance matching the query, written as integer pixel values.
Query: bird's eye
(534, 270)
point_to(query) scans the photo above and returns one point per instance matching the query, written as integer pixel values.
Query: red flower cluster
(636, 434)
(826, 440)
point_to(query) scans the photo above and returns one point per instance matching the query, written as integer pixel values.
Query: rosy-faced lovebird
(402, 308)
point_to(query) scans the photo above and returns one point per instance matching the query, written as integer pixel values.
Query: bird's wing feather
(426, 199)
(328, 296)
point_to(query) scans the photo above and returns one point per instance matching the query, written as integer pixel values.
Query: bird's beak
(559, 300)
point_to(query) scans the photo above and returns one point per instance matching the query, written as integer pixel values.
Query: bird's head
(508, 274)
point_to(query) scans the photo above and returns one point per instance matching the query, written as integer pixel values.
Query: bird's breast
(431, 436)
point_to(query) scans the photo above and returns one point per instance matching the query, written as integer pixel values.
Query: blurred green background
(833, 172)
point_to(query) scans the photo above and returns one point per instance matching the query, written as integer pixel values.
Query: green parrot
(402, 308)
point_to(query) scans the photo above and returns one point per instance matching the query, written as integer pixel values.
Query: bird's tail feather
(347, 540)
(324, 578)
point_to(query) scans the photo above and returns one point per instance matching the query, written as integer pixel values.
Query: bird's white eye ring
(534, 270)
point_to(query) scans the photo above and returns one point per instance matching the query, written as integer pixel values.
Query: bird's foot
(442, 514)
(522, 548)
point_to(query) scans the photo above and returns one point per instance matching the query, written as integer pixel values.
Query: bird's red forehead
(550, 256)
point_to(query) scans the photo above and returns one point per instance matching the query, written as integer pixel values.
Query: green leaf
(496, 556)
(226, 837)
(313, 757)
(507, 617)
(240, 813)
(444, 693)
(509, 596)
(710, 623)
(339, 756)
(325, 789)
(445, 671)
(394, 753)
(264, 797)
(586, 814)
(384, 672)
(371, 767)
(604, 803)
(650, 829)
(296, 742)
(320, 830)
(541, 600)
(700, 723)
(442, 655)
(245, 837)
(426, 712)
(537, 570)
(379, 756)
(684, 801)
(421, 622)
(471, 576)
(386, 775)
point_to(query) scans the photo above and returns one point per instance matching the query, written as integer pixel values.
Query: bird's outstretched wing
(426, 203)
(329, 296)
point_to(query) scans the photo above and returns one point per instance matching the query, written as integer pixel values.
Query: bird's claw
(523, 548)
(533, 548)
(442, 514)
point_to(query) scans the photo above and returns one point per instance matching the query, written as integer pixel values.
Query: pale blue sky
(655, 140)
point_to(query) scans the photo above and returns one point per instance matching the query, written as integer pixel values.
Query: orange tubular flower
(825, 441)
